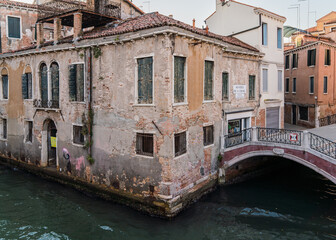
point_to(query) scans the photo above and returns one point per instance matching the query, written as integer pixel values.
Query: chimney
(207, 29)
(171, 15)
(57, 30)
(90, 4)
(78, 24)
(39, 34)
(194, 23)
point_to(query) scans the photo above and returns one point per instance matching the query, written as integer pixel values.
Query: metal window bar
(145, 144)
(323, 145)
(238, 139)
(283, 136)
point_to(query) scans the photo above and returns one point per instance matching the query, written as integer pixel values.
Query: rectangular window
(78, 136)
(145, 80)
(311, 58)
(287, 62)
(3, 129)
(145, 144)
(279, 80)
(295, 61)
(208, 80)
(294, 85)
(327, 57)
(27, 89)
(76, 82)
(180, 144)
(225, 86)
(208, 138)
(303, 112)
(179, 79)
(252, 87)
(264, 34)
(14, 27)
(4, 86)
(287, 85)
(265, 80)
(311, 85)
(325, 85)
(29, 131)
(234, 127)
(279, 36)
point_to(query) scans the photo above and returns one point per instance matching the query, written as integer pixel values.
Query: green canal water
(294, 203)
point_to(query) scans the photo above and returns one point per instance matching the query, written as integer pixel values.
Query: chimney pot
(194, 23)
(207, 29)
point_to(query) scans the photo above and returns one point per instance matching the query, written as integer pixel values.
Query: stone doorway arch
(49, 144)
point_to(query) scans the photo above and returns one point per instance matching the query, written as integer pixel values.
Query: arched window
(4, 84)
(54, 70)
(27, 84)
(44, 84)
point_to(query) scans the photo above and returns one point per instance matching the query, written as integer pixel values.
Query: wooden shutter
(72, 82)
(225, 84)
(30, 85)
(208, 80)
(44, 83)
(24, 86)
(14, 28)
(145, 80)
(179, 80)
(314, 57)
(55, 82)
(272, 117)
(80, 82)
(251, 87)
(5, 86)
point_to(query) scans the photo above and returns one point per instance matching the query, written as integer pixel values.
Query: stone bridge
(303, 147)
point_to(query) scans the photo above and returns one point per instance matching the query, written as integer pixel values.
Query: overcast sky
(186, 10)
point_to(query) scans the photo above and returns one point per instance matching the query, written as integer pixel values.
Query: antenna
(148, 2)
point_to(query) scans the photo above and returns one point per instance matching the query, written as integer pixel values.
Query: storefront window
(234, 127)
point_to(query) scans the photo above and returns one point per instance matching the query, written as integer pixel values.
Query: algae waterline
(294, 203)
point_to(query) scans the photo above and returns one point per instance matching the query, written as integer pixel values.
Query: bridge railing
(329, 120)
(323, 145)
(239, 138)
(283, 136)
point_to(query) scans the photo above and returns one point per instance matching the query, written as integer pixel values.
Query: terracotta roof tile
(18, 4)
(154, 20)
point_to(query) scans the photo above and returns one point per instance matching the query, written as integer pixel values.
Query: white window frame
(1, 89)
(185, 81)
(7, 27)
(137, 104)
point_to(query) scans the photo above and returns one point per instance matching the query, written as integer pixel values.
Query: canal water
(294, 203)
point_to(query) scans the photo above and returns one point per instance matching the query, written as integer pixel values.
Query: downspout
(247, 30)
(89, 101)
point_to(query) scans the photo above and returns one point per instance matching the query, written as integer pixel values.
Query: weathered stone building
(136, 109)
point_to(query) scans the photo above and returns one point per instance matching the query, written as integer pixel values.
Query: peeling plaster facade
(163, 181)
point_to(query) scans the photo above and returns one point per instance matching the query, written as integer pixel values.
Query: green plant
(90, 159)
(101, 78)
(117, 38)
(97, 52)
(220, 158)
(81, 55)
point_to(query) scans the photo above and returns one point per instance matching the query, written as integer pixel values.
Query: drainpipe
(88, 61)
(247, 30)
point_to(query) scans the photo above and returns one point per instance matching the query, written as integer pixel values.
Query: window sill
(180, 104)
(143, 105)
(311, 93)
(252, 100)
(75, 102)
(78, 145)
(144, 156)
(226, 101)
(28, 100)
(294, 68)
(14, 38)
(209, 146)
(325, 93)
(209, 101)
(3, 140)
(294, 93)
(312, 66)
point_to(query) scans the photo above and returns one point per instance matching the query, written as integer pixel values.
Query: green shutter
(145, 80)
(14, 28)
(30, 85)
(80, 82)
(72, 82)
(225, 86)
(5, 86)
(179, 80)
(251, 87)
(55, 82)
(208, 80)
(44, 83)
(24, 86)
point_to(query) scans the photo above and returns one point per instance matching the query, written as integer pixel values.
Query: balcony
(46, 105)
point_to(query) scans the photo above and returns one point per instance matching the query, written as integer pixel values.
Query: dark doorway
(52, 144)
(294, 114)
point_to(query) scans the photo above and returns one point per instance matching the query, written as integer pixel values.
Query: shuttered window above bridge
(145, 80)
(179, 79)
(273, 117)
(27, 90)
(76, 82)
(14, 27)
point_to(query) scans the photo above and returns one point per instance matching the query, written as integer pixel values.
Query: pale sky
(186, 10)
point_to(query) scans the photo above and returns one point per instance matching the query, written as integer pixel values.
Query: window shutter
(72, 82)
(44, 84)
(30, 85)
(179, 81)
(14, 29)
(176, 75)
(265, 80)
(145, 80)
(24, 86)
(55, 82)
(5, 86)
(141, 81)
(225, 83)
(80, 82)
(314, 57)
(150, 79)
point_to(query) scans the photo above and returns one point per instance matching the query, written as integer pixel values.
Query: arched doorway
(49, 144)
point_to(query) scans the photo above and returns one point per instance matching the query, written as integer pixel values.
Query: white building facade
(263, 30)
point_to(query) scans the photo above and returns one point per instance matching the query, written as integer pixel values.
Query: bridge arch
(249, 155)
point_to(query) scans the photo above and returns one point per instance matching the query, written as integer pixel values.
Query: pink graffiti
(79, 162)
